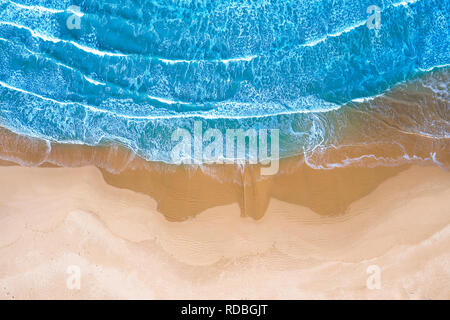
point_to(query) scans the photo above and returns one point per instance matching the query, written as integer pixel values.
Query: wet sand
(182, 192)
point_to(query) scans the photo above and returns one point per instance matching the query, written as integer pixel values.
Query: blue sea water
(135, 71)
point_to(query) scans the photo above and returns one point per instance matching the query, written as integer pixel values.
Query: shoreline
(407, 123)
(242, 150)
(196, 188)
(378, 197)
(303, 233)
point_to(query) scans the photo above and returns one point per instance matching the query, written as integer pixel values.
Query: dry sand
(55, 218)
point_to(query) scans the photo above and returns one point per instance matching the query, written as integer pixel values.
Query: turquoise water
(135, 71)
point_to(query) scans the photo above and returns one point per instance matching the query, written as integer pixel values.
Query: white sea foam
(367, 99)
(33, 32)
(97, 83)
(404, 3)
(5, 85)
(36, 8)
(168, 101)
(378, 161)
(46, 37)
(334, 35)
(168, 116)
(95, 51)
(224, 61)
(312, 43)
(102, 53)
(434, 68)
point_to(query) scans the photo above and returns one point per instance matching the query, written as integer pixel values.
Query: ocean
(133, 72)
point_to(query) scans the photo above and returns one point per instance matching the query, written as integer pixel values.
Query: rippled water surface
(137, 70)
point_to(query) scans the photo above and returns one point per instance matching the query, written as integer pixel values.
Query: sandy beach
(224, 150)
(125, 248)
(365, 219)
